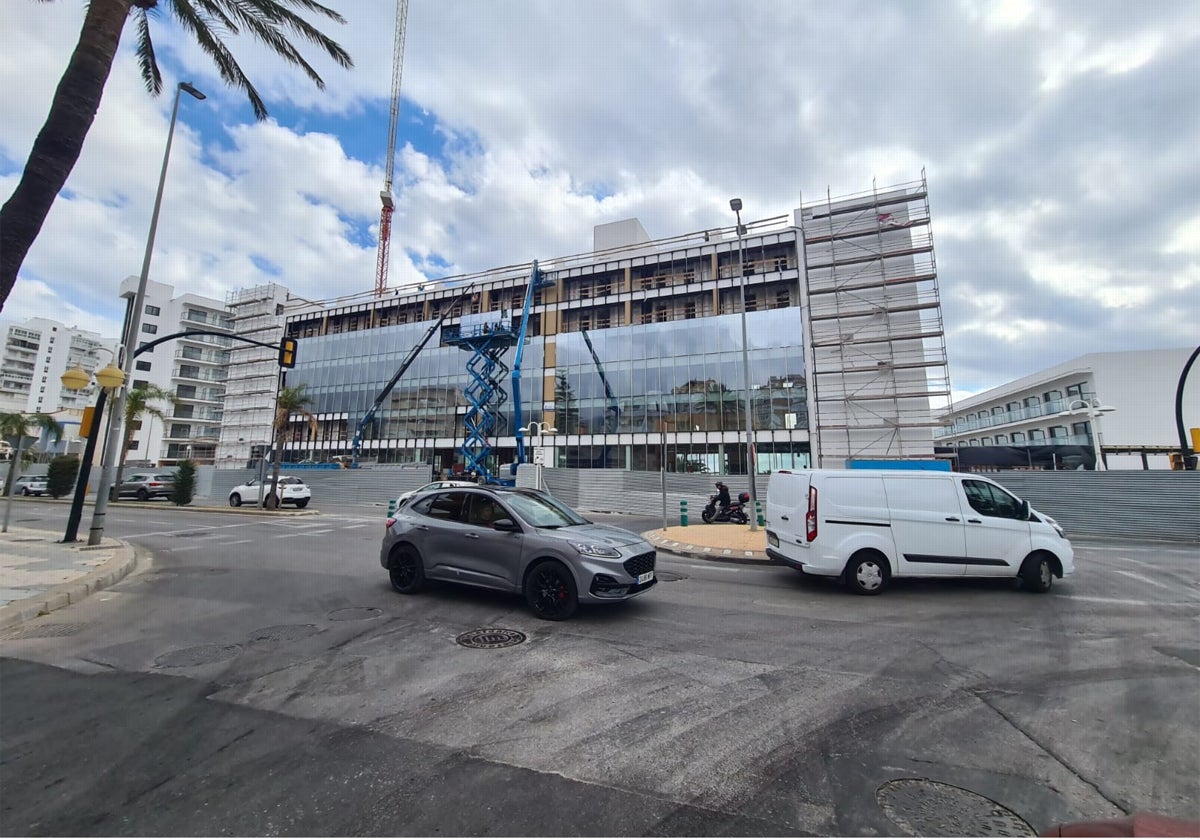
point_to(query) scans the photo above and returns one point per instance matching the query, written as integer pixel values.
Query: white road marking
(1145, 579)
(352, 527)
(305, 534)
(711, 568)
(238, 542)
(1130, 602)
(190, 530)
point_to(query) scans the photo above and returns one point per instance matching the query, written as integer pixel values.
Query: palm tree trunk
(60, 141)
(114, 493)
(278, 463)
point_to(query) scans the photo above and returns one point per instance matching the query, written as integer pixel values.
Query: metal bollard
(758, 513)
(683, 512)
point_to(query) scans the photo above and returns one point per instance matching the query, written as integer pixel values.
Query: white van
(867, 526)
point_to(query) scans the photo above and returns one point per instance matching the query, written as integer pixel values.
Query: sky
(1058, 139)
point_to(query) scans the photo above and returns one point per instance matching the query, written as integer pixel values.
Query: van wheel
(1037, 574)
(867, 573)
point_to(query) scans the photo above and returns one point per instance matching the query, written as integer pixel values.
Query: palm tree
(16, 426)
(138, 403)
(290, 401)
(81, 87)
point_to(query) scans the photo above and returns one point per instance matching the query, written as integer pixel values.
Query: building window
(149, 328)
(141, 364)
(1037, 434)
(1058, 432)
(153, 310)
(133, 444)
(1018, 437)
(140, 383)
(1031, 402)
(987, 441)
(1001, 440)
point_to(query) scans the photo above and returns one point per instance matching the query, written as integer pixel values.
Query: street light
(133, 324)
(536, 430)
(1094, 410)
(735, 204)
(108, 377)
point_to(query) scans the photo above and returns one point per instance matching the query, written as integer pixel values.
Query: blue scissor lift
(488, 335)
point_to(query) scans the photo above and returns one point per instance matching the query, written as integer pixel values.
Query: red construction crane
(385, 195)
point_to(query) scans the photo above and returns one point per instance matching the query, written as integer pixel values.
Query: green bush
(61, 474)
(185, 483)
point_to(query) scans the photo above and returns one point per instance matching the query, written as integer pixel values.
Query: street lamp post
(107, 378)
(1094, 409)
(133, 324)
(536, 429)
(735, 204)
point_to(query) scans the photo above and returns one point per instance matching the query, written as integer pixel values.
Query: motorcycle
(735, 513)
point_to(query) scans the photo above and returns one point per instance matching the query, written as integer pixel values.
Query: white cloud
(1057, 139)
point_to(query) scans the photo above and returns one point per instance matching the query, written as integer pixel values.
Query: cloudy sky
(1059, 140)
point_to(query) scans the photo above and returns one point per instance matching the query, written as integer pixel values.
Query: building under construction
(633, 351)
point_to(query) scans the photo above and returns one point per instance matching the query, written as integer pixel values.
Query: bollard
(391, 507)
(683, 512)
(758, 513)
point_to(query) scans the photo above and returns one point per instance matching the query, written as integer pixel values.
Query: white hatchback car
(434, 485)
(293, 491)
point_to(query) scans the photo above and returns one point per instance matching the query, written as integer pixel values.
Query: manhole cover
(924, 808)
(354, 614)
(490, 637)
(42, 631)
(284, 633)
(668, 577)
(199, 655)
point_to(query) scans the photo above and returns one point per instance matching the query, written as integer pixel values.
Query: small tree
(185, 483)
(138, 402)
(290, 401)
(16, 426)
(61, 475)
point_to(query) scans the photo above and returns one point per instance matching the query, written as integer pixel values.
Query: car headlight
(596, 549)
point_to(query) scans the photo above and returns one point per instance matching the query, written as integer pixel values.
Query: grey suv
(515, 540)
(145, 486)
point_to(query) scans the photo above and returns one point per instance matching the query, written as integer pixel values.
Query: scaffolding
(876, 351)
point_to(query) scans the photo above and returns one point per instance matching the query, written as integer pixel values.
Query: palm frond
(145, 55)
(227, 66)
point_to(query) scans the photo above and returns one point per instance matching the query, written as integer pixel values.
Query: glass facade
(639, 393)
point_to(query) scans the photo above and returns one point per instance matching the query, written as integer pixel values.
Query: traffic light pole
(100, 511)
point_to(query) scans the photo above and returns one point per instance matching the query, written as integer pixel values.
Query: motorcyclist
(723, 500)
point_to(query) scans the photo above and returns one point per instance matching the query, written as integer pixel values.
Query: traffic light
(287, 353)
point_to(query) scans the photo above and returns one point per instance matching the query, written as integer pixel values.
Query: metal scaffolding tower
(876, 342)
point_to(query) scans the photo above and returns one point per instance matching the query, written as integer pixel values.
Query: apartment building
(1120, 405)
(633, 354)
(192, 368)
(36, 354)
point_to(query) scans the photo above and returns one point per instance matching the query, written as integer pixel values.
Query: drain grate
(199, 655)
(354, 614)
(489, 638)
(924, 808)
(42, 631)
(284, 633)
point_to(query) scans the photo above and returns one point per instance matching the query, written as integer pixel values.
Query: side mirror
(1024, 511)
(505, 524)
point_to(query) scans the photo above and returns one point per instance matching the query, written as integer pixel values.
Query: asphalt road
(260, 677)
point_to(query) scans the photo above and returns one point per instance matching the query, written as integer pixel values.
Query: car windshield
(543, 511)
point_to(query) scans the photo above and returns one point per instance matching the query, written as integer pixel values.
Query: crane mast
(385, 195)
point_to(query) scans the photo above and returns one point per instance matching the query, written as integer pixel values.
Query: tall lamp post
(735, 204)
(108, 378)
(1094, 409)
(133, 324)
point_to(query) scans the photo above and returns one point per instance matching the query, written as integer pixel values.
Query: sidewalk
(39, 575)
(725, 543)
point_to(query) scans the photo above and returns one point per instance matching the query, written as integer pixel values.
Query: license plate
(646, 577)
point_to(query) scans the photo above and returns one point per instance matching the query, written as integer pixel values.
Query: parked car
(515, 540)
(433, 485)
(869, 526)
(292, 491)
(147, 485)
(29, 485)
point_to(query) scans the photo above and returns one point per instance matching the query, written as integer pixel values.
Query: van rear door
(927, 525)
(787, 502)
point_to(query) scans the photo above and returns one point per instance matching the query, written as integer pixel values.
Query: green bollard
(391, 507)
(683, 512)
(758, 513)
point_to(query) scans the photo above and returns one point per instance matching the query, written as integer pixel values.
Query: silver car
(515, 540)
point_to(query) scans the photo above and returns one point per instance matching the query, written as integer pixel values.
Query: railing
(1031, 412)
